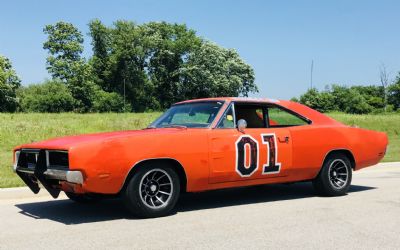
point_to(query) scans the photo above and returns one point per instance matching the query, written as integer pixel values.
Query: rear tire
(152, 191)
(335, 176)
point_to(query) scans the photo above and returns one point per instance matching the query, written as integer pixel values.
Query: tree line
(133, 68)
(354, 99)
(150, 66)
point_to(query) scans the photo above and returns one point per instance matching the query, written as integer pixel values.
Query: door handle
(283, 140)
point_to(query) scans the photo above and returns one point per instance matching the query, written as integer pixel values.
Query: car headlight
(16, 157)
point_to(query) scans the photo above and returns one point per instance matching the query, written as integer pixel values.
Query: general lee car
(201, 145)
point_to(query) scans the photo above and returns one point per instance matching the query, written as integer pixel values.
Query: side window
(280, 118)
(227, 120)
(253, 114)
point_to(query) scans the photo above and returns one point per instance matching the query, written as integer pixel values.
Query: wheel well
(172, 163)
(347, 153)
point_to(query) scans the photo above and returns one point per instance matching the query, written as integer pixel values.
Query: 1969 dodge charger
(200, 145)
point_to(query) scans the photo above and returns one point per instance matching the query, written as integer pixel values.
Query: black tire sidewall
(322, 182)
(134, 202)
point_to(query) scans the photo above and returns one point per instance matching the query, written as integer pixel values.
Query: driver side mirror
(241, 125)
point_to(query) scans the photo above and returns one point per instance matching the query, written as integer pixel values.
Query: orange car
(201, 145)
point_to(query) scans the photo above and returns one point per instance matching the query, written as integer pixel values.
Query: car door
(257, 152)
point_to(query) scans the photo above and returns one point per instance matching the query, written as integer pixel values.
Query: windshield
(190, 115)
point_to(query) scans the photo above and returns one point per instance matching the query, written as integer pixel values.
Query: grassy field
(22, 128)
(17, 129)
(388, 123)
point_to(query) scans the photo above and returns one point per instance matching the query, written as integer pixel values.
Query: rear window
(278, 117)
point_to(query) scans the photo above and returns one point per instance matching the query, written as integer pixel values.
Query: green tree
(50, 96)
(157, 63)
(294, 99)
(108, 102)
(128, 58)
(340, 95)
(171, 45)
(321, 101)
(65, 45)
(355, 103)
(83, 88)
(214, 71)
(9, 83)
(374, 95)
(355, 100)
(394, 93)
(101, 42)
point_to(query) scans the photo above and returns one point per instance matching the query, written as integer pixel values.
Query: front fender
(106, 164)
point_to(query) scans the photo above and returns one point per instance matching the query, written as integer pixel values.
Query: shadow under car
(70, 213)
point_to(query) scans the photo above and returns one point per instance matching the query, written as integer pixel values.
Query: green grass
(22, 128)
(17, 129)
(388, 123)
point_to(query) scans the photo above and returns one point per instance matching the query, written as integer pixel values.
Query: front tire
(152, 191)
(335, 176)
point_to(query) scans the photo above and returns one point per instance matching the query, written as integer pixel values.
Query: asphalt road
(275, 216)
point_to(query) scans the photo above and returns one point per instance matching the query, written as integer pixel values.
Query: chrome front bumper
(65, 175)
(48, 177)
(56, 174)
(32, 179)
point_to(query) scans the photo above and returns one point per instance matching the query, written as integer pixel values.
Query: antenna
(312, 69)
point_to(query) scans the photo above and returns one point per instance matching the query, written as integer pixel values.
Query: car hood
(67, 142)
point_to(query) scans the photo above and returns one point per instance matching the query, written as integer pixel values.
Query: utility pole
(384, 77)
(124, 96)
(312, 69)
(125, 70)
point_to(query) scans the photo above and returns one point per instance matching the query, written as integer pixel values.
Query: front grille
(57, 159)
(28, 159)
(47, 167)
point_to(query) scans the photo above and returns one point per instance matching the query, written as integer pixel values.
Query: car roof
(230, 99)
(316, 117)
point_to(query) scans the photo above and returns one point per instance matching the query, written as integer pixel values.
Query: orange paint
(208, 155)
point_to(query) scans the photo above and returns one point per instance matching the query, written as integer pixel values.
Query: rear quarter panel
(368, 147)
(311, 144)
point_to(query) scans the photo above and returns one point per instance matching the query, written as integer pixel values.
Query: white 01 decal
(246, 141)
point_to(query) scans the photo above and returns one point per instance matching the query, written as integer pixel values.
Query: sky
(347, 40)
